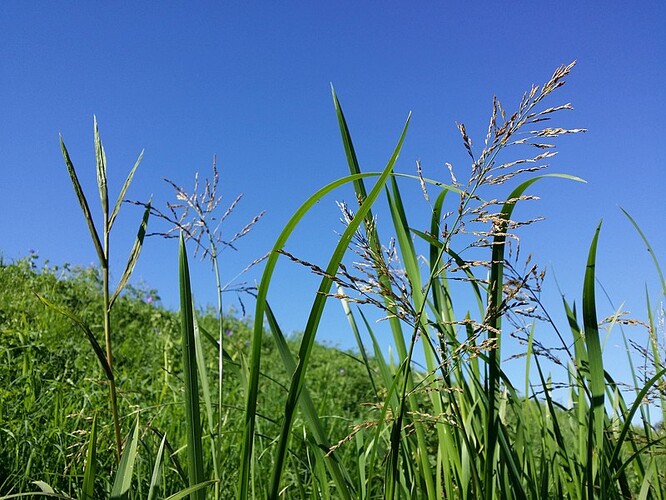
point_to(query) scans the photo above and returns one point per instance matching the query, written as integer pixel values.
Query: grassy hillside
(51, 387)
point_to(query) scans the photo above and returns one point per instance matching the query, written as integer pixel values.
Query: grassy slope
(51, 386)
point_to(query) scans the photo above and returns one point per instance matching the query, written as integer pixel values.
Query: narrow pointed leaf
(100, 157)
(198, 489)
(192, 413)
(316, 311)
(99, 352)
(83, 203)
(123, 191)
(593, 344)
(155, 478)
(260, 311)
(123, 480)
(91, 464)
(133, 256)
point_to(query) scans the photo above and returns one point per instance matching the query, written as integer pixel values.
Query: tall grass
(442, 416)
(101, 242)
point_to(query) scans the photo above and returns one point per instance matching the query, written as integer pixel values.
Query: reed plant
(101, 243)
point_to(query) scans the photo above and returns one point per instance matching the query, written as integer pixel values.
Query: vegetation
(218, 407)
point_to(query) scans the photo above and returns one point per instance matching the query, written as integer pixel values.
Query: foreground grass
(453, 293)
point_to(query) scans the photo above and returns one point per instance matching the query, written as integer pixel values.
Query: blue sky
(250, 82)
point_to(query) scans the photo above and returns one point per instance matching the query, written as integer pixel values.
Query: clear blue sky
(250, 83)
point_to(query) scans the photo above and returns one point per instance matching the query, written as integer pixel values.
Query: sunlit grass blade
(91, 464)
(133, 256)
(123, 479)
(100, 162)
(593, 344)
(335, 467)
(350, 152)
(254, 366)
(123, 191)
(195, 469)
(83, 202)
(155, 477)
(317, 310)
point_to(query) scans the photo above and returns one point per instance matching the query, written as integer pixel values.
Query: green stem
(220, 361)
(107, 341)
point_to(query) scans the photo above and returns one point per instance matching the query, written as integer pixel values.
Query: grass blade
(335, 467)
(155, 478)
(316, 311)
(100, 162)
(192, 415)
(591, 326)
(99, 352)
(134, 254)
(123, 190)
(260, 311)
(91, 464)
(123, 480)
(199, 488)
(83, 202)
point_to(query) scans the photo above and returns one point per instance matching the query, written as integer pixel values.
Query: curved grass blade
(123, 480)
(260, 311)
(317, 309)
(626, 428)
(193, 418)
(333, 464)
(198, 488)
(99, 352)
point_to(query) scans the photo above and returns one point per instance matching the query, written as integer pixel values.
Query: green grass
(218, 407)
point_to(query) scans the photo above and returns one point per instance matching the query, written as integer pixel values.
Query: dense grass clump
(217, 407)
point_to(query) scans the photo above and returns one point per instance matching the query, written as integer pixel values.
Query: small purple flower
(228, 333)
(149, 299)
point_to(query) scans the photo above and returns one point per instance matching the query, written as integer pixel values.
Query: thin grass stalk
(102, 248)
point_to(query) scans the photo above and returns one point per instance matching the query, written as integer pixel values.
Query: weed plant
(250, 413)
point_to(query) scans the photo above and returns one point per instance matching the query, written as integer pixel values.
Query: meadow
(106, 394)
